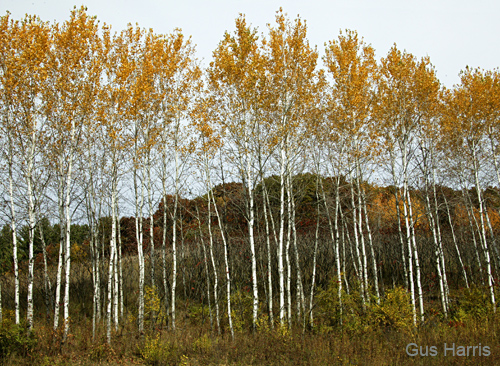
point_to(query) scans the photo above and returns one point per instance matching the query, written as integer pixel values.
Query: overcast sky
(453, 33)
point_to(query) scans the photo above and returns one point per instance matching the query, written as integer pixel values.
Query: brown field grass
(194, 344)
(377, 335)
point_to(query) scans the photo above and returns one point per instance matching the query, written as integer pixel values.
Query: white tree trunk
(300, 287)
(113, 261)
(68, 245)
(415, 257)
(370, 243)
(440, 241)
(459, 255)
(483, 231)
(151, 224)
(205, 260)
(359, 258)
(287, 253)
(31, 228)
(316, 239)
(226, 263)
(269, 262)
(120, 266)
(139, 200)
(61, 257)
(408, 236)
(110, 291)
(281, 272)
(334, 233)
(174, 237)
(471, 217)
(46, 279)
(212, 257)
(14, 238)
(362, 241)
(433, 218)
(251, 220)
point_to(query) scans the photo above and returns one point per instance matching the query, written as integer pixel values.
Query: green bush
(241, 310)
(15, 339)
(199, 313)
(156, 353)
(330, 314)
(472, 304)
(394, 311)
(204, 344)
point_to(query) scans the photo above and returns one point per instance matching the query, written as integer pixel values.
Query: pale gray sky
(454, 33)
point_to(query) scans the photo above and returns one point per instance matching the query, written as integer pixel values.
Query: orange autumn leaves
(74, 73)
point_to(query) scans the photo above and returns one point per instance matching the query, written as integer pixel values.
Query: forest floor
(444, 342)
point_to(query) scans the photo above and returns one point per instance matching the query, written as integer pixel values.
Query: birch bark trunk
(462, 266)
(139, 200)
(281, 272)
(205, 260)
(483, 230)
(61, 256)
(174, 237)
(14, 233)
(408, 235)
(269, 262)
(226, 263)
(251, 220)
(31, 228)
(68, 230)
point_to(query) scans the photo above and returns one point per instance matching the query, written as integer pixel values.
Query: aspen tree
(24, 76)
(226, 263)
(465, 123)
(74, 74)
(234, 76)
(119, 53)
(316, 239)
(177, 82)
(492, 81)
(399, 111)
(145, 106)
(92, 217)
(8, 33)
(352, 66)
(264, 152)
(144, 112)
(211, 141)
(427, 140)
(425, 94)
(290, 94)
(332, 144)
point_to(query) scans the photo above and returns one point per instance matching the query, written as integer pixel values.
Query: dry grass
(193, 344)
(380, 338)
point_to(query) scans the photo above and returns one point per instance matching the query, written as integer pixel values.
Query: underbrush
(347, 333)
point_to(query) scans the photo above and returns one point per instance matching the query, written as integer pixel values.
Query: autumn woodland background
(308, 210)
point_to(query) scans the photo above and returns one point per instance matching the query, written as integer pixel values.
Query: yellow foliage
(205, 343)
(394, 311)
(78, 253)
(387, 211)
(152, 301)
(156, 352)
